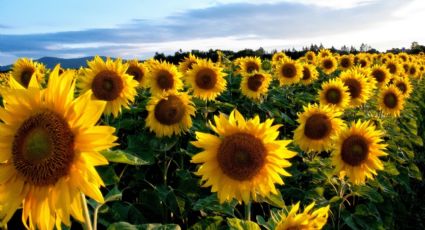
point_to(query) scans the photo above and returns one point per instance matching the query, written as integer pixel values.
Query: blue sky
(137, 29)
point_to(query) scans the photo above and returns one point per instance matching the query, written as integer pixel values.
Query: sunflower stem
(248, 211)
(87, 220)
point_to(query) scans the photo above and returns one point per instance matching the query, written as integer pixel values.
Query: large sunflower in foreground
(245, 160)
(50, 145)
(170, 113)
(164, 77)
(357, 152)
(289, 72)
(206, 79)
(306, 220)
(391, 101)
(109, 82)
(139, 72)
(358, 87)
(255, 85)
(23, 69)
(334, 94)
(318, 125)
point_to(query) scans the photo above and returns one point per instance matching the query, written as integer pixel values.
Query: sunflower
(249, 65)
(328, 64)
(187, 63)
(403, 56)
(255, 85)
(170, 113)
(164, 77)
(207, 80)
(310, 57)
(393, 67)
(245, 160)
(380, 74)
(109, 82)
(413, 70)
(357, 150)
(23, 69)
(278, 57)
(362, 60)
(323, 53)
(138, 71)
(391, 101)
(404, 85)
(310, 74)
(50, 145)
(318, 125)
(306, 220)
(345, 62)
(358, 87)
(289, 72)
(334, 94)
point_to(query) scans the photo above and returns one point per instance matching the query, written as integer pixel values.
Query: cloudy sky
(138, 29)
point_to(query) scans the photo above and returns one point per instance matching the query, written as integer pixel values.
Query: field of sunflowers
(326, 141)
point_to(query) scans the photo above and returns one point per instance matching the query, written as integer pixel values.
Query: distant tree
(365, 47)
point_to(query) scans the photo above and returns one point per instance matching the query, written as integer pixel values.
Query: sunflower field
(324, 141)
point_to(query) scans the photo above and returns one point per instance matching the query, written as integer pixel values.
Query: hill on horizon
(51, 62)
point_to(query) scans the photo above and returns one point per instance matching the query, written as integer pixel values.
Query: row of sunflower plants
(325, 141)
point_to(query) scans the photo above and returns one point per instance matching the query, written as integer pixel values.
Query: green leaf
(211, 203)
(370, 193)
(274, 199)
(391, 169)
(113, 195)
(127, 226)
(209, 223)
(414, 171)
(108, 175)
(119, 156)
(238, 224)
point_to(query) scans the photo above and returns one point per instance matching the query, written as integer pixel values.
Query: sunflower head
(328, 64)
(108, 81)
(334, 94)
(391, 101)
(310, 74)
(164, 77)
(310, 57)
(380, 74)
(250, 65)
(404, 85)
(51, 145)
(358, 87)
(308, 219)
(138, 71)
(170, 113)
(356, 152)
(187, 63)
(393, 67)
(345, 62)
(206, 80)
(255, 85)
(23, 70)
(245, 160)
(318, 125)
(289, 72)
(278, 57)
(323, 53)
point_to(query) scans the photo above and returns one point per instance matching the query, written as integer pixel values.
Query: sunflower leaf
(235, 223)
(119, 156)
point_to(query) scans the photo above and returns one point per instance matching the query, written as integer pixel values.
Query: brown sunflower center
(406, 68)
(26, 76)
(345, 62)
(190, 64)
(328, 64)
(288, 70)
(402, 87)
(251, 67)
(107, 85)
(241, 156)
(390, 100)
(363, 63)
(165, 80)
(333, 95)
(206, 79)
(306, 74)
(169, 111)
(412, 70)
(392, 68)
(136, 72)
(379, 75)
(255, 82)
(354, 87)
(354, 150)
(317, 127)
(310, 57)
(43, 148)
